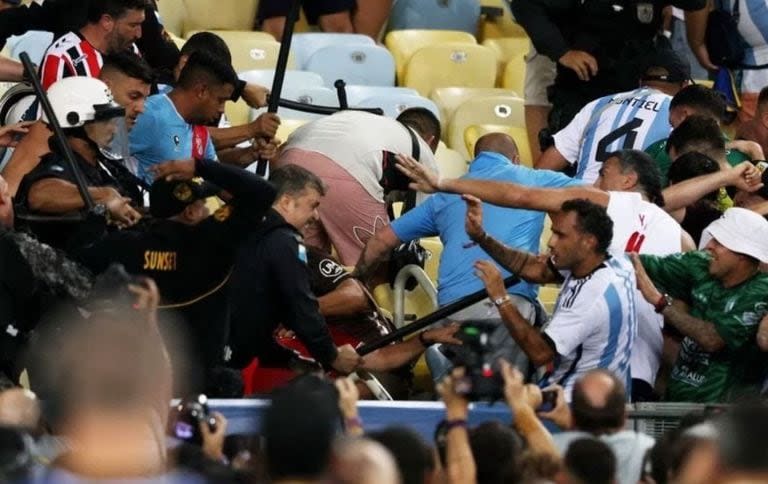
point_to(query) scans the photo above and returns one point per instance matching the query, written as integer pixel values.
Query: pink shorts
(349, 215)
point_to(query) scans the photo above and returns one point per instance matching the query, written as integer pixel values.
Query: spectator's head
(299, 192)
(425, 123)
(298, 442)
(696, 100)
(207, 83)
(413, 456)
(697, 133)
(743, 444)
(497, 450)
(129, 78)
(737, 243)
(500, 143)
(116, 23)
(207, 42)
(364, 461)
(588, 461)
(666, 71)
(581, 231)
(691, 165)
(631, 171)
(599, 403)
(181, 200)
(19, 408)
(86, 110)
(6, 205)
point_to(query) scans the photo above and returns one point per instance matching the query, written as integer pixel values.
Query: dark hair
(743, 438)
(703, 100)
(205, 67)
(207, 42)
(412, 455)
(599, 420)
(697, 133)
(690, 165)
(762, 98)
(298, 442)
(130, 65)
(113, 8)
(593, 220)
(648, 174)
(497, 451)
(293, 179)
(422, 120)
(591, 461)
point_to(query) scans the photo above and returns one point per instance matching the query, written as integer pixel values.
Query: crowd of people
(144, 257)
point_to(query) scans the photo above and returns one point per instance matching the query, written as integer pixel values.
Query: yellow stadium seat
(450, 162)
(510, 51)
(546, 233)
(435, 249)
(288, 126)
(548, 297)
(219, 14)
(498, 26)
(484, 110)
(250, 50)
(519, 134)
(450, 64)
(237, 113)
(704, 82)
(448, 99)
(173, 14)
(177, 40)
(404, 43)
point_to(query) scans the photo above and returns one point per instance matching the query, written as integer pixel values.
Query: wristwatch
(499, 301)
(663, 303)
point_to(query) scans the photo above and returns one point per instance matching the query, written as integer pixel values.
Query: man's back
(443, 215)
(628, 120)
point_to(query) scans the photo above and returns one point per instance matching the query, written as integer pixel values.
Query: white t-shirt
(628, 120)
(640, 226)
(594, 323)
(356, 141)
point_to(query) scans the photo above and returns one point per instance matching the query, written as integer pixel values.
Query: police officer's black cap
(678, 70)
(169, 198)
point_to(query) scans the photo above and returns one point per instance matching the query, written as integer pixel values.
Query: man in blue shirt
(173, 125)
(496, 158)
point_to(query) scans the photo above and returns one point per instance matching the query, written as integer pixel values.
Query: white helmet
(78, 100)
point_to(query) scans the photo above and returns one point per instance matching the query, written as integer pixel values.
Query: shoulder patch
(330, 268)
(302, 253)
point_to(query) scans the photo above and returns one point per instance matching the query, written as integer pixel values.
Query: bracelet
(423, 341)
(352, 422)
(452, 424)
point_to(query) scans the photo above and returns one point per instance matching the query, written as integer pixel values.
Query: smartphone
(548, 400)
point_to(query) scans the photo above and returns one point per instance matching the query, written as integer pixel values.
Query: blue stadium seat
(355, 94)
(354, 63)
(394, 104)
(33, 42)
(304, 45)
(435, 14)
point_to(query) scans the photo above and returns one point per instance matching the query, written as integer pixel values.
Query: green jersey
(699, 376)
(658, 151)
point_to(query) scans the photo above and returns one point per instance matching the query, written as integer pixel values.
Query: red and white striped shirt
(70, 55)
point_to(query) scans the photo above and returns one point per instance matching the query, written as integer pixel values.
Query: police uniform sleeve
(537, 18)
(50, 167)
(248, 190)
(288, 261)
(676, 274)
(325, 272)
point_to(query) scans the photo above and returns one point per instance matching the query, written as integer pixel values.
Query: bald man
(598, 409)
(442, 215)
(363, 461)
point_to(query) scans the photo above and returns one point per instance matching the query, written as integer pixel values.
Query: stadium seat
(219, 15)
(304, 45)
(177, 40)
(250, 50)
(173, 14)
(434, 248)
(288, 126)
(450, 163)
(239, 113)
(33, 42)
(321, 96)
(356, 94)
(404, 43)
(395, 104)
(493, 25)
(450, 64)
(548, 297)
(510, 52)
(518, 133)
(354, 63)
(435, 14)
(450, 98)
(492, 110)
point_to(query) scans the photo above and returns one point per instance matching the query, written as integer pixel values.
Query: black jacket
(270, 285)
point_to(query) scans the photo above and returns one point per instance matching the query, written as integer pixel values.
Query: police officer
(186, 250)
(270, 282)
(599, 45)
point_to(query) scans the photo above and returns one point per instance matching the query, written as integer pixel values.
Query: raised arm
(744, 176)
(375, 252)
(497, 193)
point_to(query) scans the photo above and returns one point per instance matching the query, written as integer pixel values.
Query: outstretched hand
(746, 176)
(174, 170)
(424, 179)
(473, 222)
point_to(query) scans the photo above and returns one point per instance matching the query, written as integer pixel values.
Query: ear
(630, 179)
(107, 22)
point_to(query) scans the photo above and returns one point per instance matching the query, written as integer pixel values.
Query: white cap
(740, 230)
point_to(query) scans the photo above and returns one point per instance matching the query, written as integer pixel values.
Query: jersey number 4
(628, 130)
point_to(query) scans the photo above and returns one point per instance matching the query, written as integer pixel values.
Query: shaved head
(500, 143)
(599, 402)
